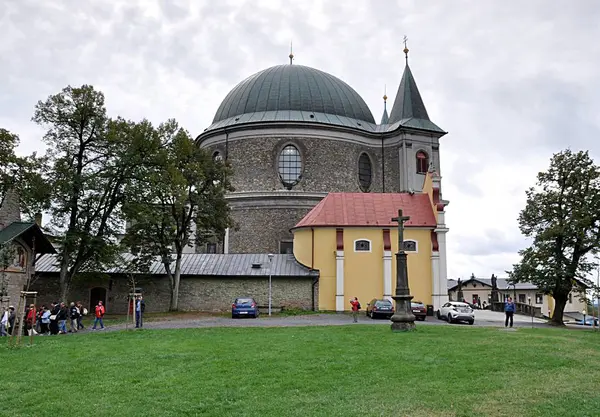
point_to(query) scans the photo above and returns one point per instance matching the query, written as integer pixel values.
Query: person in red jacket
(355, 307)
(100, 310)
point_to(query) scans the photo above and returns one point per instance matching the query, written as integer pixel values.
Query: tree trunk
(64, 280)
(559, 309)
(175, 288)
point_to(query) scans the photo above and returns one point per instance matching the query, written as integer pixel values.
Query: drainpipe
(312, 247)
(312, 266)
(226, 143)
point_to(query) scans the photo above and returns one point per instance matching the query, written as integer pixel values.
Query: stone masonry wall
(328, 165)
(16, 283)
(195, 293)
(259, 230)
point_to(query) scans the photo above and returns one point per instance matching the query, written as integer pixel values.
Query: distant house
(523, 292)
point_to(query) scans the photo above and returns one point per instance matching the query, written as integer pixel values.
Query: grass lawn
(311, 371)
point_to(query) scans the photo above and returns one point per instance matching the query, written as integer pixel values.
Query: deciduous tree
(562, 217)
(91, 160)
(22, 173)
(184, 187)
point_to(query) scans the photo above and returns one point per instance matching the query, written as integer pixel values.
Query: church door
(97, 294)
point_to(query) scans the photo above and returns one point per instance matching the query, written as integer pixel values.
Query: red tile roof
(370, 209)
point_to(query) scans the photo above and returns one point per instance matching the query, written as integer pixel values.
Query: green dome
(293, 88)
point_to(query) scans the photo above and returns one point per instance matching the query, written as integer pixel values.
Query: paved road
(483, 318)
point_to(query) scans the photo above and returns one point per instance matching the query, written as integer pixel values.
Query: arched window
(365, 172)
(410, 246)
(422, 162)
(217, 156)
(290, 166)
(362, 245)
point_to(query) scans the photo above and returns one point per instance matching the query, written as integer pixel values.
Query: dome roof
(293, 87)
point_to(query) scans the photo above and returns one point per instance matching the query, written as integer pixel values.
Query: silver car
(455, 311)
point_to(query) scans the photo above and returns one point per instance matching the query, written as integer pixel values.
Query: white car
(455, 311)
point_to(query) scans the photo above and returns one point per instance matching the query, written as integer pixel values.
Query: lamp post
(270, 286)
(584, 313)
(530, 308)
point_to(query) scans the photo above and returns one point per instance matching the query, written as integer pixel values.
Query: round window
(365, 172)
(290, 166)
(217, 156)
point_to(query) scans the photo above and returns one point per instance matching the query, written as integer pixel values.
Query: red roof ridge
(370, 209)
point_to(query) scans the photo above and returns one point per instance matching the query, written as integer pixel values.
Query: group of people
(52, 319)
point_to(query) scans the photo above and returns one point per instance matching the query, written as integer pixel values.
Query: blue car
(244, 307)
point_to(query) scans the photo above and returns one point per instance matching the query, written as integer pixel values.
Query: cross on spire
(400, 220)
(405, 40)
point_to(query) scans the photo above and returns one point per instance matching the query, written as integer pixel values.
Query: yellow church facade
(351, 240)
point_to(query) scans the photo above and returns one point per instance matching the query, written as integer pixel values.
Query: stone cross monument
(403, 319)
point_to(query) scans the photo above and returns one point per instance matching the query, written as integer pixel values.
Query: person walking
(82, 312)
(45, 325)
(61, 317)
(11, 319)
(355, 308)
(74, 317)
(509, 310)
(54, 310)
(4, 323)
(99, 311)
(140, 306)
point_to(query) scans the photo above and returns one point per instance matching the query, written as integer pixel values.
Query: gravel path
(483, 319)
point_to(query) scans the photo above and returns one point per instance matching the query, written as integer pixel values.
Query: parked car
(380, 308)
(455, 311)
(419, 310)
(589, 321)
(244, 307)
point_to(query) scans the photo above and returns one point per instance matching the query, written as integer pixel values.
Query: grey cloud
(505, 80)
(490, 242)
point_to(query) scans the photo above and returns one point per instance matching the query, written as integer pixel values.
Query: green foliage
(180, 186)
(91, 160)
(562, 217)
(22, 173)
(310, 371)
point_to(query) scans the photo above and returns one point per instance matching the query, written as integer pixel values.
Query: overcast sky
(512, 82)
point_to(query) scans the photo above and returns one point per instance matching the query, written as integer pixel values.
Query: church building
(293, 134)
(317, 181)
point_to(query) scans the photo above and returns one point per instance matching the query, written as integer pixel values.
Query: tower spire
(409, 109)
(385, 118)
(291, 56)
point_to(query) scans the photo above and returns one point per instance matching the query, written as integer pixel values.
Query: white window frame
(363, 251)
(416, 246)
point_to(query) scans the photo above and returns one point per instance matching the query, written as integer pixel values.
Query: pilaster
(339, 271)
(387, 266)
(226, 241)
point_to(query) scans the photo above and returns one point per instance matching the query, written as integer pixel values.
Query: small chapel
(20, 244)
(351, 239)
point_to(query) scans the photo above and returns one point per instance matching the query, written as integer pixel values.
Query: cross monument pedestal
(403, 319)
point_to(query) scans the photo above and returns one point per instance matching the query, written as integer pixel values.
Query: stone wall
(260, 229)
(195, 293)
(328, 165)
(16, 283)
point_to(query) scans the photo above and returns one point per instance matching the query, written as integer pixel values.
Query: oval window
(365, 172)
(290, 166)
(217, 156)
